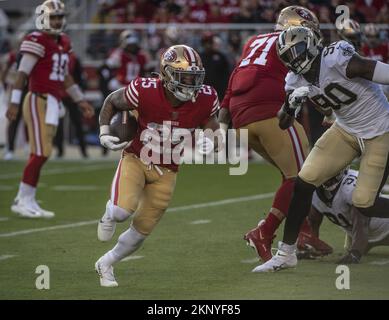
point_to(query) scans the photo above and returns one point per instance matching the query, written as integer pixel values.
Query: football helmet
(351, 32)
(182, 72)
(52, 8)
(297, 16)
(297, 48)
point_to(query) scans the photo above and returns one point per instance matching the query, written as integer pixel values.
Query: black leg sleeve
(298, 210)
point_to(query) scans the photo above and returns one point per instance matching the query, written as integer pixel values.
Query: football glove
(351, 257)
(111, 142)
(297, 98)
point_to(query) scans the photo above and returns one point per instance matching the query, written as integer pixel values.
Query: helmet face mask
(297, 48)
(182, 72)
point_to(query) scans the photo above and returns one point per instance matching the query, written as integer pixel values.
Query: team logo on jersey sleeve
(347, 50)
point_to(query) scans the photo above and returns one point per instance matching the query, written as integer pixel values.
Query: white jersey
(360, 106)
(338, 210)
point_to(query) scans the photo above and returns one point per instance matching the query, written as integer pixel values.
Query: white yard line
(77, 188)
(6, 256)
(380, 262)
(200, 222)
(4, 219)
(176, 209)
(50, 172)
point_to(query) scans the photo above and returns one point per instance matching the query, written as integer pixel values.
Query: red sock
(305, 227)
(281, 202)
(33, 169)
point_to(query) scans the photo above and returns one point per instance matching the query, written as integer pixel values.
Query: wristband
(16, 96)
(75, 93)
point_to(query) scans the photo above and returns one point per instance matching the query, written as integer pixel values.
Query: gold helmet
(52, 8)
(351, 32)
(297, 48)
(182, 72)
(298, 16)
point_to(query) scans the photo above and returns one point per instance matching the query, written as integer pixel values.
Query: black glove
(352, 256)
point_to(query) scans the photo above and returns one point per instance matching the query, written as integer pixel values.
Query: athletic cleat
(260, 241)
(281, 260)
(310, 246)
(106, 227)
(105, 272)
(30, 209)
(8, 156)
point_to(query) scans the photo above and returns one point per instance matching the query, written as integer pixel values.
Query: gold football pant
(336, 149)
(40, 134)
(285, 149)
(142, 189)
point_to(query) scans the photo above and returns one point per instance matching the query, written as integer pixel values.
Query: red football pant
(33, 169)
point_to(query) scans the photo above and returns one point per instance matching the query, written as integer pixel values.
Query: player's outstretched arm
(27, 63)
(74, 91)
(368, 69)
(224, 118)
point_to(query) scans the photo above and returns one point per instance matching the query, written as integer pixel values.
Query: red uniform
(147, 95)
(129, 66)
(256, 87)
(49, 73)
(380, 53)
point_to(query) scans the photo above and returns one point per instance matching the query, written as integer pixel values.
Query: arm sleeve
(33, 44)
(132, 92)
(27, 63)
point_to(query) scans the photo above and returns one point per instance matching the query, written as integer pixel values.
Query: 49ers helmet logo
(170, 56)
(304, 14)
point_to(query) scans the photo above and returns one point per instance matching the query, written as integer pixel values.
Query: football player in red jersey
(254, 96)
(128, 60)
(45, 55)
(140, 188)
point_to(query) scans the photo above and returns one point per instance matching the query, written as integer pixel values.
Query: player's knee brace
(117, 213)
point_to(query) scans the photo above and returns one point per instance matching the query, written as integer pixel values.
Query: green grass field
(206, 259)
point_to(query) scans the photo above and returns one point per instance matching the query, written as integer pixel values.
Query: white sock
(288, 248)
(26, 191)
(129, 241)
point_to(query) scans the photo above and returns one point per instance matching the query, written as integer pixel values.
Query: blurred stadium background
(95, 28)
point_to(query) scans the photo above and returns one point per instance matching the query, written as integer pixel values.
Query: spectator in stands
(369, 8)
(216, 65)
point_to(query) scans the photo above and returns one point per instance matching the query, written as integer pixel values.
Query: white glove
(111, 142)
(297, 99)
(204, 145)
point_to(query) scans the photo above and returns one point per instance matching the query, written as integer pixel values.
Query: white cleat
(29, 209)
(105, 272)
(8, 156)
(283, 259)
(106, 228)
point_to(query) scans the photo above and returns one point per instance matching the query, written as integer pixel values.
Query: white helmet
(52, 8)
(297, 48)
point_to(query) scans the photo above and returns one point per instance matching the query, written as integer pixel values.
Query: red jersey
(129, 66)
(49, 72)
(156, 114)
(380, 53)
(256, 88)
